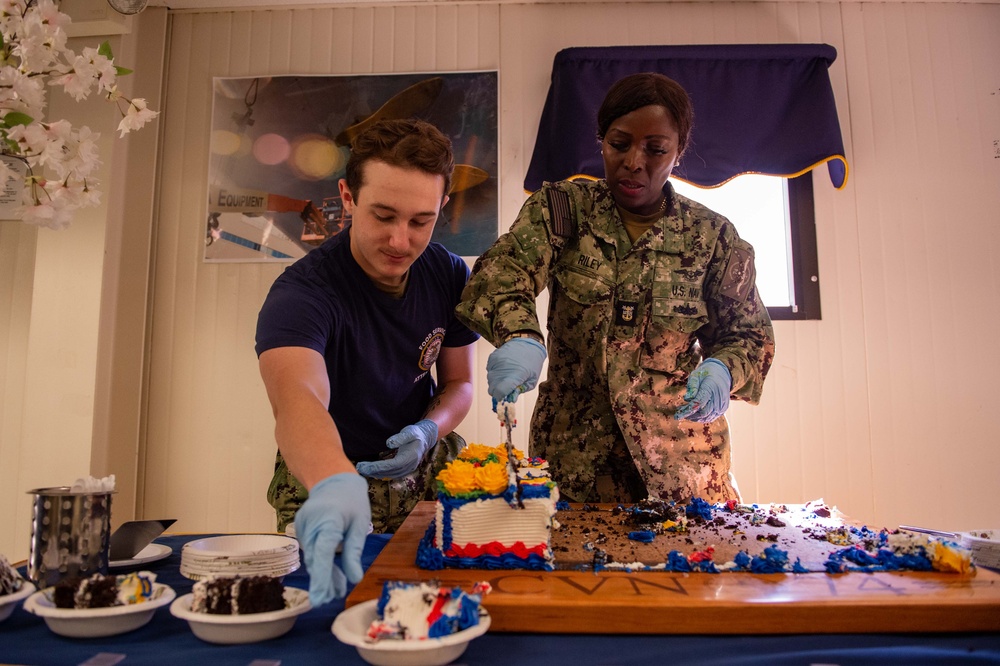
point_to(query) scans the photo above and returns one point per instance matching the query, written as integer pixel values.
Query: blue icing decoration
(468, 612)
(699, 507)
(429, 557)
(834, 566)
(645, 536)
(860, 557)
(510, 494)
(562, 505)
(742, 560)
(677, 562)
(884, 560)
(706, 566)
(383, 599)
(535, 491)
(443, 626)
(772, 560)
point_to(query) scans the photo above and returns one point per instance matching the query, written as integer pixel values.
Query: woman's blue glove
(336, 511)
(707, 395)
(411, 443)
(513, 368)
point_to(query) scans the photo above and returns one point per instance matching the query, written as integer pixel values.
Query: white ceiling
(265, 4)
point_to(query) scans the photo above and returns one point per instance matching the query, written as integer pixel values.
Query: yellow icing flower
(493, 478)
(458, 477)
(474, 451)
(478, 469)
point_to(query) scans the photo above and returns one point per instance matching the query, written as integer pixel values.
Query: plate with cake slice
(108, 609)
(8, 602)
(235, 610)
(13, 588)
(414, 624)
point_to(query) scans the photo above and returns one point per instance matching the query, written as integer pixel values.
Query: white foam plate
(250, 628)
(274, 572)
(97, 622)
(351, 627)
(240, 554)
(240, 545)
(151, 553)
(985, 547)
(8, 602)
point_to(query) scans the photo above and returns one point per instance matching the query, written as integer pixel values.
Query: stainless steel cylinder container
(70, 534)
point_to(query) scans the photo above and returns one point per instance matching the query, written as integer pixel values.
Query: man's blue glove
(513, 368)
(707, 395)
(411, 443)
(336, 511)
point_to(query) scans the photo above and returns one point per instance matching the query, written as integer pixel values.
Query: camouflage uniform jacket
(627, 323)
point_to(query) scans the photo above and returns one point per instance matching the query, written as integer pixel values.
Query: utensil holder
(70, 534)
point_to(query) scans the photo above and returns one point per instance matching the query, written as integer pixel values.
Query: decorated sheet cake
(495, 513)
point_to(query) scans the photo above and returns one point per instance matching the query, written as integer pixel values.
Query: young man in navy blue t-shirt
(346, 340)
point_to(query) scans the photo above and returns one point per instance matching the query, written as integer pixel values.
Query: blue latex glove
(337, 510)
(411, 443)
(707, 395)
(513, 368)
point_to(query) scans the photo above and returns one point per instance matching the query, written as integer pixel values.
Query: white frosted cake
(489, 518)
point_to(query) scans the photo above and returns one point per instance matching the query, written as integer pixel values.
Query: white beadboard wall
(882, 408)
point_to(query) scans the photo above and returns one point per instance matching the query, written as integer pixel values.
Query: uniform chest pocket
(579, 309)
(583, 288)
(669, 340)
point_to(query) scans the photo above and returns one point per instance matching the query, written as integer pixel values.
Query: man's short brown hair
(410, 144)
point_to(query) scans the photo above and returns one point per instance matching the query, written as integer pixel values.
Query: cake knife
(924, 530)
(505, 412)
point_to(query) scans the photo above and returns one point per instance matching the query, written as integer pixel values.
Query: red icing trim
(496, 549)
(435, 613)
(702, 555)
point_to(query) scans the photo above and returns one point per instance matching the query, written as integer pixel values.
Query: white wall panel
(927, 200)
(17, 265)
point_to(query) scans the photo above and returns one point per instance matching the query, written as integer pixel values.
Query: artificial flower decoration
(54, 161)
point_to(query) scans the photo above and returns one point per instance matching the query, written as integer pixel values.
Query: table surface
(658, 602)
(25, 639)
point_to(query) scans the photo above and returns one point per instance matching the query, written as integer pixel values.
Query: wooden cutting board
(726, 603)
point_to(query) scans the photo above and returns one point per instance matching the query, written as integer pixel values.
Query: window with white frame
(775, 215)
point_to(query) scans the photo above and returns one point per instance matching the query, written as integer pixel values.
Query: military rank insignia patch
(625, 313)
(740, 274)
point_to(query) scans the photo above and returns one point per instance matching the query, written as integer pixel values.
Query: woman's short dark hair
(638, 90)
(410, 144)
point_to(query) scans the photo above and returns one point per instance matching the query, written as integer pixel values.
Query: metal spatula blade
(132, 536)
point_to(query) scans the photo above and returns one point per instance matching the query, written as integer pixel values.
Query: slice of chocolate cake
(97, 591)
(10, 580)
(226, 595)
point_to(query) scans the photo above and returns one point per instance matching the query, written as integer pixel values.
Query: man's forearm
(310, 444)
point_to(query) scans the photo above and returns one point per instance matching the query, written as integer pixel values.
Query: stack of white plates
(240, 555)
(985, 547)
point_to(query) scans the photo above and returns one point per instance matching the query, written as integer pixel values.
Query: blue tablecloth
(25, 639)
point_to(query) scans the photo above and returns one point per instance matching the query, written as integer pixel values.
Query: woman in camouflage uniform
(654, 319)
